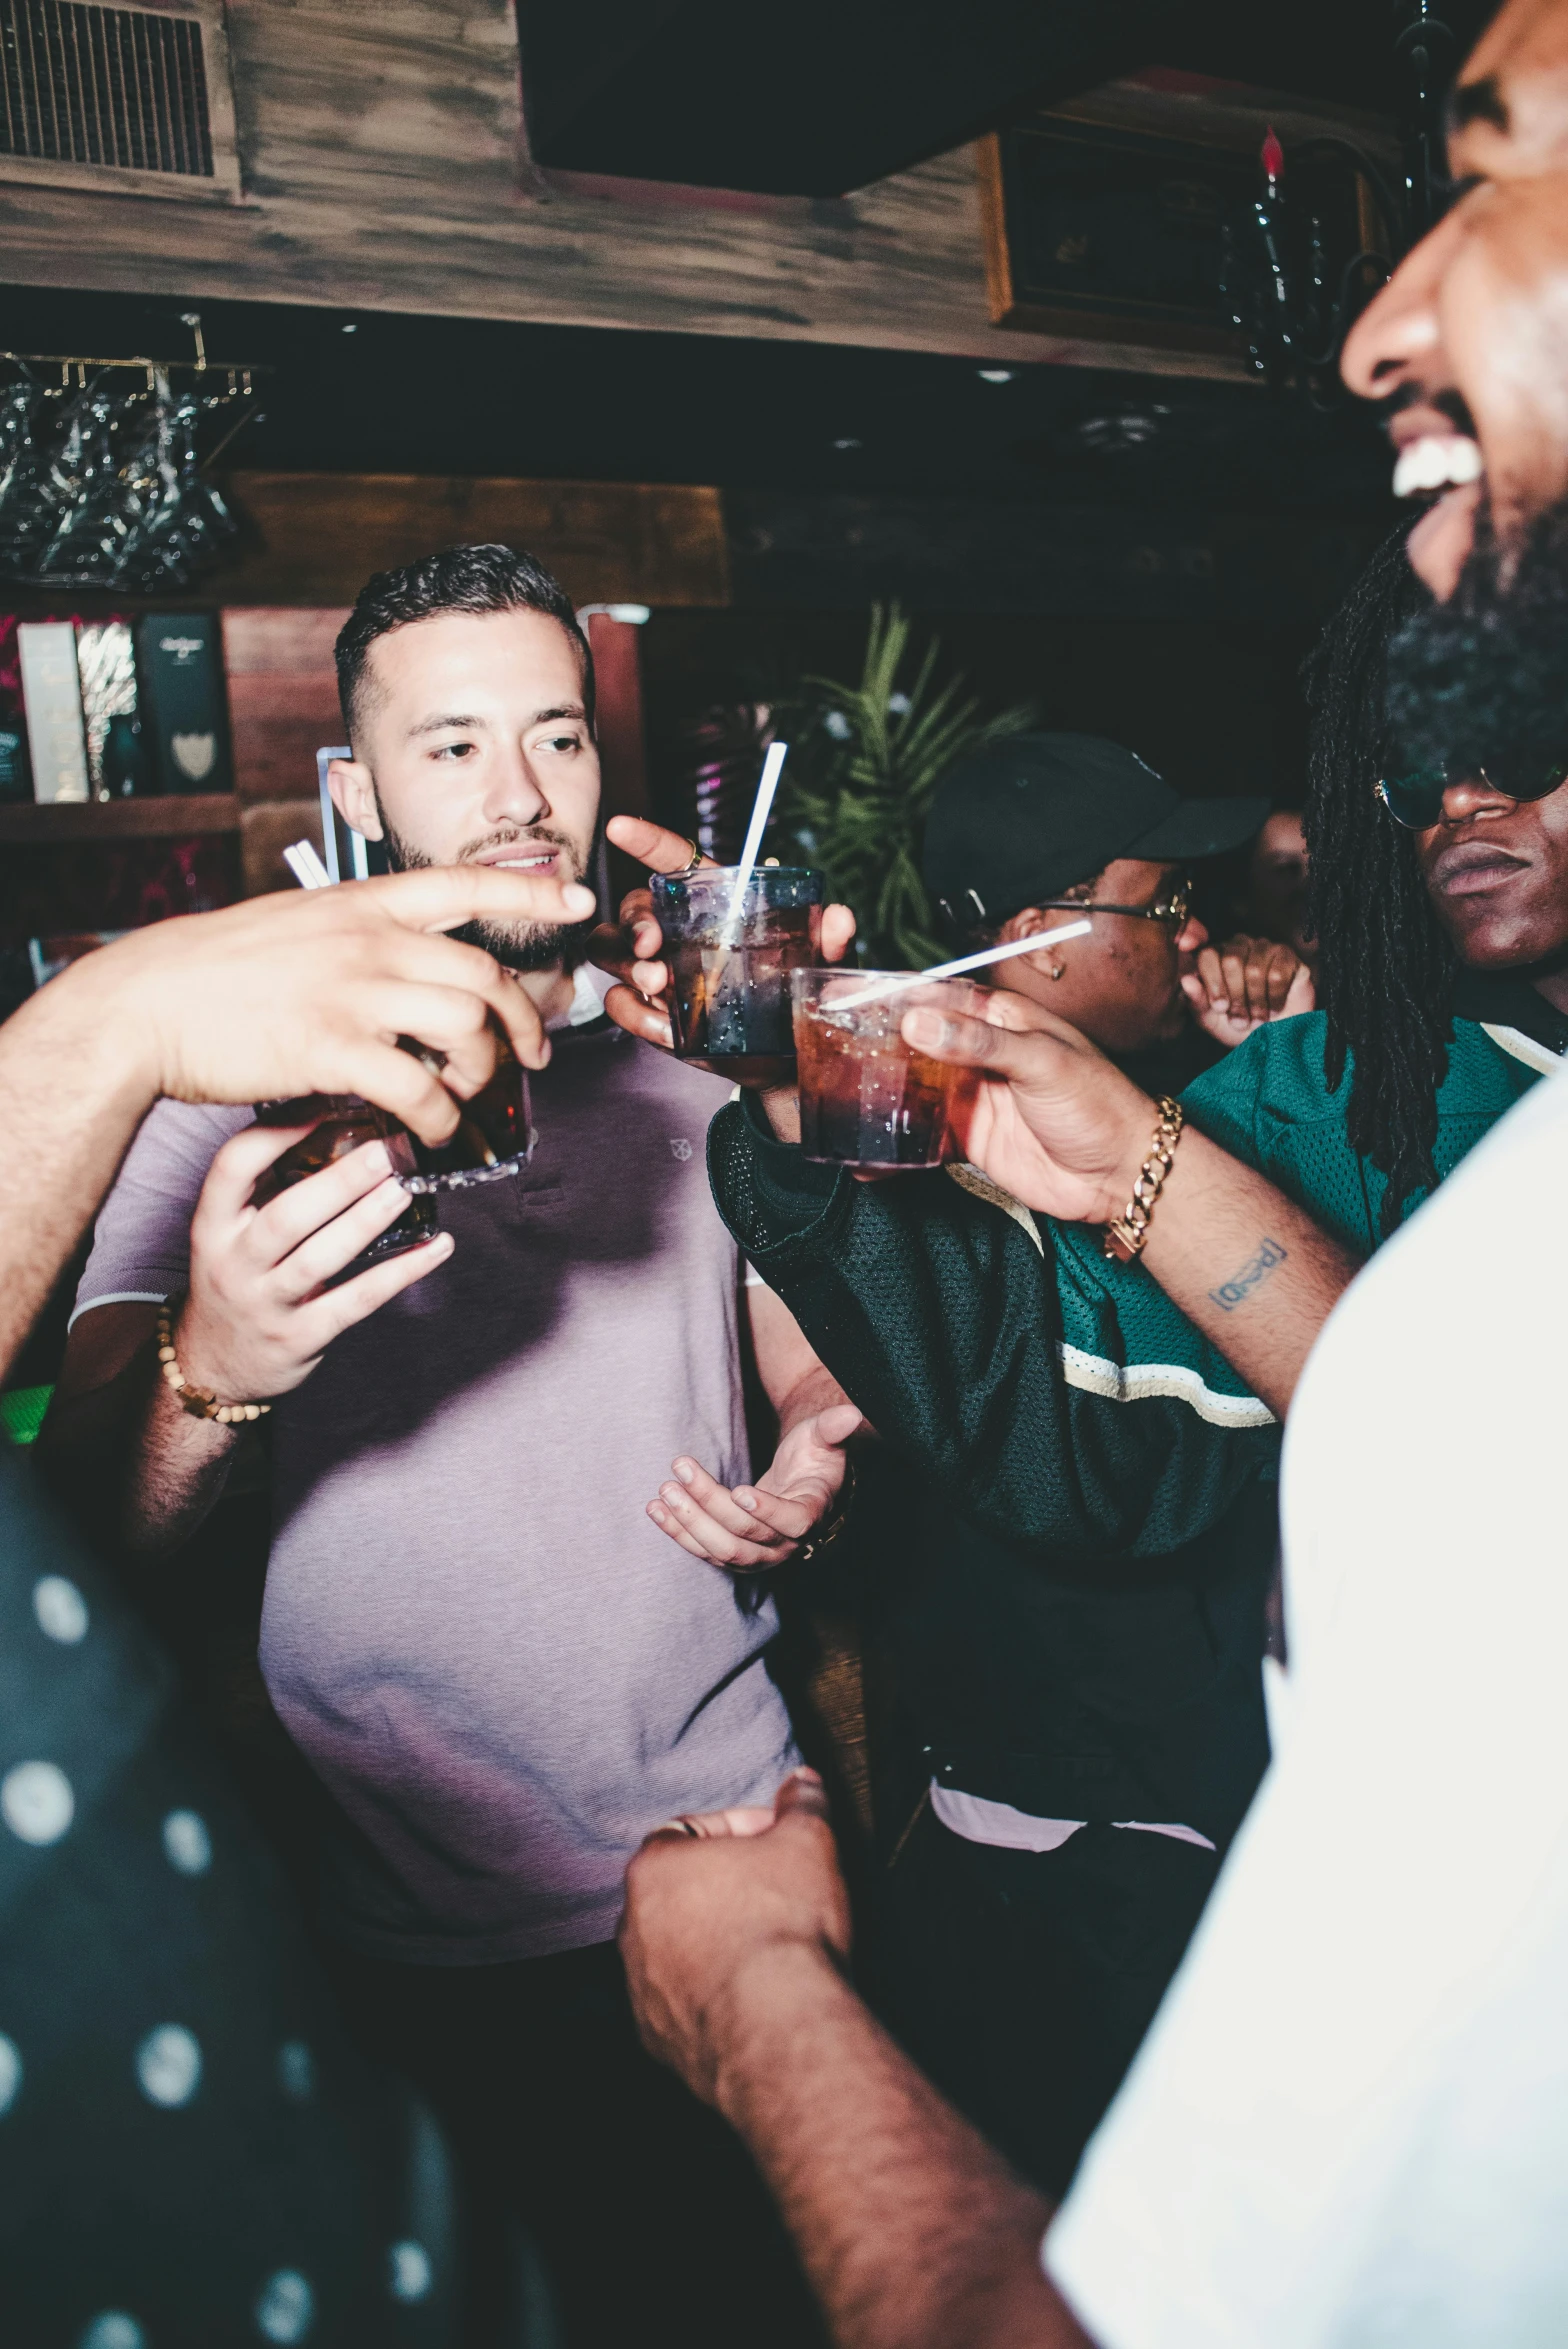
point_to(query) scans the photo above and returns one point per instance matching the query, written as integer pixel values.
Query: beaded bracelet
(197, 1400)
(1124, 1237)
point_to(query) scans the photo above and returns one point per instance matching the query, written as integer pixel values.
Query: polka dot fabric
(191, 2156)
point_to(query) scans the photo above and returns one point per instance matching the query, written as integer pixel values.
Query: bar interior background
(745, 324)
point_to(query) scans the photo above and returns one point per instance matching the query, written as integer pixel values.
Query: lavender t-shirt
(504, 1673)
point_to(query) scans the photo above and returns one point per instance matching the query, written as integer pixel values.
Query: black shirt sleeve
(1054, 1400)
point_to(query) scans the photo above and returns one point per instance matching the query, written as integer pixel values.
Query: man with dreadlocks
(1442, 914)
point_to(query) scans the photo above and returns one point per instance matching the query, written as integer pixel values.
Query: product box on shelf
(16, 776)
(179, 665)
(107, 664)
(52, 697)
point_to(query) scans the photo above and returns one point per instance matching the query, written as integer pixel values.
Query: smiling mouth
(521, 858)
(1437, 461)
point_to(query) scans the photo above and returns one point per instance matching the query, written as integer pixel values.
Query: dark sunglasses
(1416, 800)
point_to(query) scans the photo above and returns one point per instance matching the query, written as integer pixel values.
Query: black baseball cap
(1020, 823)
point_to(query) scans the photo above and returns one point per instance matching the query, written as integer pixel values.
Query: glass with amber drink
(866, 1097)
(494, 1138)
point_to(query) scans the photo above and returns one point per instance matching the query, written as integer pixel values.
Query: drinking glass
(494, 1138)
(730, 964)
(866, 1097)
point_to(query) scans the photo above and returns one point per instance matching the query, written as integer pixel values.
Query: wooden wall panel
(384, 166)
(283, 701)
(315, 538)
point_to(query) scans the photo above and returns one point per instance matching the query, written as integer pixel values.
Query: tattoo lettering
(1240, 1286)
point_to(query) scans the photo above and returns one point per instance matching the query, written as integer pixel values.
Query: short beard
(525, 946)
(1482, 680)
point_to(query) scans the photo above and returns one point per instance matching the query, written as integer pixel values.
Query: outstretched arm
(1064, 1132)
(284, 995)
(1053, 1399)
(914, 2234)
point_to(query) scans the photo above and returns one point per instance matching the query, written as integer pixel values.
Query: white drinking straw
(966, 962)
(762, 808)
(306, 866)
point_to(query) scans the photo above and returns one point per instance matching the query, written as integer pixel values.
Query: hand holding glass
(494, 1138)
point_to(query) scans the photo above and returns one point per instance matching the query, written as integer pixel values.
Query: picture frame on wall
(1113, 233)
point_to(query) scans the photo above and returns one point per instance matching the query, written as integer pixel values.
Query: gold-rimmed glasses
(1175, 910)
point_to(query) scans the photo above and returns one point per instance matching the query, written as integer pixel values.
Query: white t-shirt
(1348, 2128)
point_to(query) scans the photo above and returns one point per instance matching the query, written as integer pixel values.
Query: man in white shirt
(1349, 2126)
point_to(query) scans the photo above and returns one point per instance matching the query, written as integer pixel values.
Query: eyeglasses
(1416, 800)
(1175, 910)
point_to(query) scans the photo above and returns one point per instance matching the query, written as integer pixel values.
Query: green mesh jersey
(1088, 1526)
(1268, 1104)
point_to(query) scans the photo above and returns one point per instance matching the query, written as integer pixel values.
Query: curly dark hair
(459, 579)
(1386, 969)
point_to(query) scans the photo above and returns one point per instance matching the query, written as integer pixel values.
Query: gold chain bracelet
(1124, 1237)
(197, 1400)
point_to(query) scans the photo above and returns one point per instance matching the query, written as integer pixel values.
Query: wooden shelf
(174, 818)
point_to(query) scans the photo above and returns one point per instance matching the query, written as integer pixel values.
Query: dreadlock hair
(1386, 970)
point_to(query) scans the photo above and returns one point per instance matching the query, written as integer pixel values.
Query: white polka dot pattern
(410, 2271)
(60, 1609)
(36, 1802)
(113, 2330)
(286, 2307)
(296, 2071)
(10, 2073)
(168, 2065)
(186, 1843)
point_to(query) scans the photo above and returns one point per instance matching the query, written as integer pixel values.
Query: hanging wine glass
(29, 490)
(84, 548)
(106, 487)
(151, 478)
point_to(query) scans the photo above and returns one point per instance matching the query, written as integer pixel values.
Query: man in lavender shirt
(498, 1668)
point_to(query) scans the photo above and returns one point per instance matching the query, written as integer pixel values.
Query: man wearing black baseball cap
(1054, 821)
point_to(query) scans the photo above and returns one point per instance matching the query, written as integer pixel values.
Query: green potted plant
(864, 761)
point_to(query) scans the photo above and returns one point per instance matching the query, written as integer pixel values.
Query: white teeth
(1435, 462)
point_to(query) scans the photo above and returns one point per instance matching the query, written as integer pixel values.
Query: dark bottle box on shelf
(16, 775)
(179, 664)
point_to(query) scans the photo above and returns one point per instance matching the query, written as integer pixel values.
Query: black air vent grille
(103, 85)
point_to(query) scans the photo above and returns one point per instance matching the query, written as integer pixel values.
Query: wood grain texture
(283, 708)
(315, 538)
(623, 749)
(385, 167)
